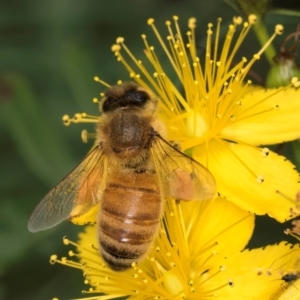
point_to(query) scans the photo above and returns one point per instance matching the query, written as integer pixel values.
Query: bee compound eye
(110, 104)
(138, 98)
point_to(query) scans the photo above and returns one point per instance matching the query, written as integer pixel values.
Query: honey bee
(129, 173)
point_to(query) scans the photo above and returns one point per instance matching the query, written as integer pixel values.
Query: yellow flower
(196, 255)
(290, 292)
(220, 119)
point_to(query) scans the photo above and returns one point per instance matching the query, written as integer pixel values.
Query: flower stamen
(85, 135)
(237, 157)
(80, 118)
(97, 79)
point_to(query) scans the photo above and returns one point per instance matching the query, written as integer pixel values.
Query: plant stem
(263, 37)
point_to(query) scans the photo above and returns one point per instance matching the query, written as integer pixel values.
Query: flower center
(173, 284)
(196, 125)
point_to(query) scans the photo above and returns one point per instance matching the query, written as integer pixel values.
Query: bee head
(127, 96)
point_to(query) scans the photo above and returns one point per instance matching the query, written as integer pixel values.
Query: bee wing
(181, 176)
(78, 192)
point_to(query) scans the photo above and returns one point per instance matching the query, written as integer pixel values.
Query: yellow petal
(193, 239)
(251, 177)
(216, 221)
(262, 121)
(292, 291)
(257, 273)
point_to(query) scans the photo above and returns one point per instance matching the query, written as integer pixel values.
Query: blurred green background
(49, 52)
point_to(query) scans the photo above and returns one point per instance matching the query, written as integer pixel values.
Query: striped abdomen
(129, 216)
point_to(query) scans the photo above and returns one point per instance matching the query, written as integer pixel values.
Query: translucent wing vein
(78, 192)
(180, 175)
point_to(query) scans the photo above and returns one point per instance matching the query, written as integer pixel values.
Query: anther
(295, 81)
(230, 282)
(279, 29)
(265, 152)
(115, 48)
(66, 241)
(85, 135)
(256, 56)
(237, 20)
(66, 120)
(150, 21)
(192, 23)
(260, 179)
(222, 268)
(64, 260)
(53, 259)
(120, 40)
(252, 19)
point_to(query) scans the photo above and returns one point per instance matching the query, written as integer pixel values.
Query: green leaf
(79, 72)
(285, 12)
(41, 145)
